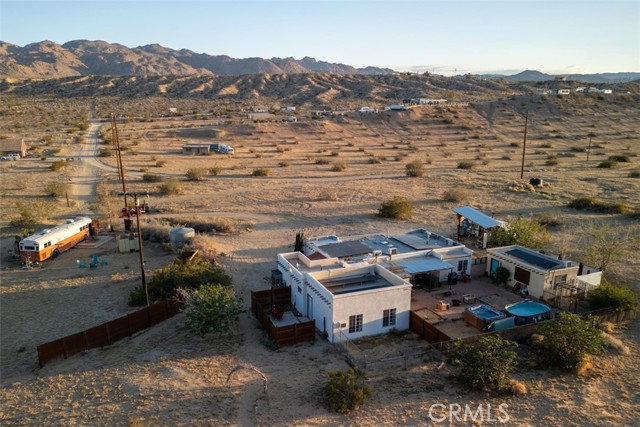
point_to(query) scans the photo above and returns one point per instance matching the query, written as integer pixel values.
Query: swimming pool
(482, 315)
(528, 312)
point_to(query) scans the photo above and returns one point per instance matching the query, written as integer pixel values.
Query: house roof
(316, 256)
(12, 144)
(423, 265)
(477, 217)
(344, 249)
(534, 258)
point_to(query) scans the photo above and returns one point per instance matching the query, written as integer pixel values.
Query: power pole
(524, 142)
(114, 128)
(144, 280)
(589, 149)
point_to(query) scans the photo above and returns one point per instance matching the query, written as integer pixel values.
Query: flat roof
(477, 217)
(533, 258)
(363, 282)
(345, 249)
(423, 265)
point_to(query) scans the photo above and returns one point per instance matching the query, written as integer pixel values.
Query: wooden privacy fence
(261, 302)
(109, 332)
(426, 330)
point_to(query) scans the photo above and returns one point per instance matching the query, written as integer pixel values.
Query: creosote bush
(456, 194)
(150, 177)
(171, 187)
(466, 165)
(415, 169)
(197, 174)
(56, 188)
(59, 164)
(261, 172)
(566, 342)
(213, 308)
(609, 296)
(338, 166)
(32, 212)
(346, 391)
(396, 208)
(485, 363)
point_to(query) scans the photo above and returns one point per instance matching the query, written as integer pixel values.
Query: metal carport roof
(477, 217)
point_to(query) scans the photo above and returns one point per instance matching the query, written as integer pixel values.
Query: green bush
(598, 206)
(456, 194)
(466, 165)
(415, 169)
(338, 166)
(178, 275)
(346, 391)
(212, 309)
(608, 296)
(502, 275)
(171, 187)
(607, 164)
(58, 165)
(622, 158)
(634, 173)
(261, 172)
(521, 231)
(33, 212)
(151, 177)
(486, 363)
(106, 152)
(568, 340)
(215, 171)
(197, 174)
(396, 208)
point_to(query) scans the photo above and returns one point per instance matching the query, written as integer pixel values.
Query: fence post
(106, 330)
(129, 324)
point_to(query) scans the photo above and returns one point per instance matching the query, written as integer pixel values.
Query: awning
(477, 217)
(423, 265)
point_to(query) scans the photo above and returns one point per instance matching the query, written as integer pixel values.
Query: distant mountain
(47, 59)
(537, 76)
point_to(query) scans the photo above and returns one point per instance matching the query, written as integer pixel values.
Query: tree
(299, 245)
(213, 308)
(605, 245)
(568, 340)
(346, 391)
(609, 296)
(488, 362)
(521, 231)
(396, 208)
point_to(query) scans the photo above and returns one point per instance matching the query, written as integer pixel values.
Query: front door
(309, 307)
(494, 268)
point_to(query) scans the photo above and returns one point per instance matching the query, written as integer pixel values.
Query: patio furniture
(465, 277)
(469, 298)
(81, 264)
(442, 306)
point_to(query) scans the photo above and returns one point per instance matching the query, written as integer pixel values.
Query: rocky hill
(47, 59)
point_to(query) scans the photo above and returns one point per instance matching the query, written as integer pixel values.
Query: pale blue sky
(439, 36)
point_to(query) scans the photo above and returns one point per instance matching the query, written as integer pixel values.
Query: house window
(463, 265)
(355, 323)
(560, 279)
(299, 290)
(389, 317)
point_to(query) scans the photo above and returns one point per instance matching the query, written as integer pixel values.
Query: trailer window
(29, 248)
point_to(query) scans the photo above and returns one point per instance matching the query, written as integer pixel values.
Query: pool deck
(450, 321)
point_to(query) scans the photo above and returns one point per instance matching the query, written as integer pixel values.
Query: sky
(442, 37)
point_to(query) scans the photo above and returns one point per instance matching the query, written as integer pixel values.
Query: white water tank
(181, 236)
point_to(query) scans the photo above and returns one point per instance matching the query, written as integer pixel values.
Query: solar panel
(534, 259)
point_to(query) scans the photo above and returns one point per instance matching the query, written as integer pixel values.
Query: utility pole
(114, 129)
(144, 280)
(589, 148)
(524, 142)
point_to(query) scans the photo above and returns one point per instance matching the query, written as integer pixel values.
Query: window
(389, 317)
(355, 323)
(299, 290)
(463, 265)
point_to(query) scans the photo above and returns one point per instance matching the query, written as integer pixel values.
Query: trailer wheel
(55, 253)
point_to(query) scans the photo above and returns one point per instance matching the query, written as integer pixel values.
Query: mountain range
(537, 76)
(47, 59)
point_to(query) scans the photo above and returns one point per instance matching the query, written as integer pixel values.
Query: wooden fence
(426, 330)
(109, 332)
(261, 302)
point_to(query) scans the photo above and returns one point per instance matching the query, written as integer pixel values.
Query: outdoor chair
(81, 264)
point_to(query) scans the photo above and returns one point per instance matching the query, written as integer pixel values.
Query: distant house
(539, 275)
(366, 110)
(288, 108)
(173, 111)
(564, 91)
(196, 148)
(13, 146)
(607, 91)
(580, 89)
(397, 107)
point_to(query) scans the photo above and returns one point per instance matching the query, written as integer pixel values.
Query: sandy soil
(165, 376)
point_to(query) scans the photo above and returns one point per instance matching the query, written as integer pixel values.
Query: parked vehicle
(225, 149)
(13, 156)
(49, 243)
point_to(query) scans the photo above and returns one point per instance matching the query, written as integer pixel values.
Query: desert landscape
(327, 172)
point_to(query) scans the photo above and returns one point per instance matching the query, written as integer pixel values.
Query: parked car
(13, 156)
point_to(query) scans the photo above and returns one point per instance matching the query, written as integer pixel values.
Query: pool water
(527, 308)
(485, 312)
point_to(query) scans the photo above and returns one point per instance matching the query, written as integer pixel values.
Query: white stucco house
(362, 287)
(540, 275)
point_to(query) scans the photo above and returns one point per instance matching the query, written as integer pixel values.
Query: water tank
(181, 236)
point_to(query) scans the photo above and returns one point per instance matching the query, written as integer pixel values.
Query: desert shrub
(155, 231)
(196, 174)
(212, 308)
(466, 165)
(607, 164)
(598, 206)
(261, 172)
(609, 296)
(567, 341)
(150, 177)
(215, 170)
(456, 194)
(322, 161)
(634, 173)
(521, 231)
(179, 275)
(396, 208)
(373, 160)
(338, 166)
(106, 152)
(56, 188)
(33, 212)
(161, 163)
(514, 144)
(485, 363)
(171, 187)
(502, 275)
(622, 158)
(284, 164)
(58, 165)
(415, 169)
(346, 391)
